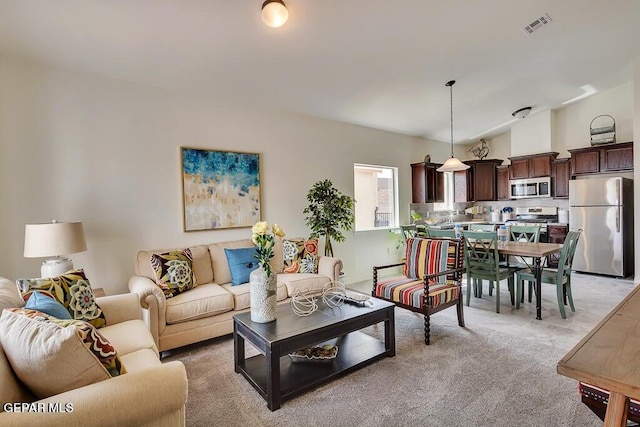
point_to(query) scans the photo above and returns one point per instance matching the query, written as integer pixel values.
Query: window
(376, 194)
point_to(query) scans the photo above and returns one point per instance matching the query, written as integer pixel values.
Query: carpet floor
(490, 373)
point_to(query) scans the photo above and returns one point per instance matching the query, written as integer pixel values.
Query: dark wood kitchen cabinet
(482, 180)
(556, 234)
(602, 159)
(531, 166)
(561, 174)
(503, 182)
(463, 186)
(427, 184)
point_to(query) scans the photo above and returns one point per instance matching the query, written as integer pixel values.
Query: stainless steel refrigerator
(603, 209)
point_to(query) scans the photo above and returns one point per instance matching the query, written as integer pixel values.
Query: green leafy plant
(329, 212)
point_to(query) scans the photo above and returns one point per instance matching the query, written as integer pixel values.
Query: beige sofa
(116, 401)
(207, 310)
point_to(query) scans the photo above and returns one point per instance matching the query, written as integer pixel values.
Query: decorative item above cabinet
(602, 158)
(531, 166)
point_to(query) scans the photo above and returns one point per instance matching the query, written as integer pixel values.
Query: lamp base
(53, 267)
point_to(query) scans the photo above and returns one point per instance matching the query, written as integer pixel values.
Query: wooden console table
(608, 358)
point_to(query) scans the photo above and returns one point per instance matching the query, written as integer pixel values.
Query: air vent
(537, 24)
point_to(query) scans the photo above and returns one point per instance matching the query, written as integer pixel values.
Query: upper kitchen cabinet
(482, 180)
(561, 174)
(462, 186)
(602, 158)
(503, 182)
(532, 166)
(427, 183)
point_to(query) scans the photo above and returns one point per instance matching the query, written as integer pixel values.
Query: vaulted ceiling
(376, 63)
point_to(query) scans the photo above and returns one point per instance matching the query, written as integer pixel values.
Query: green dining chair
(561, 278)
(408, 231)
(482, 227)
(482, 263)
(435, 232)
(522, 233)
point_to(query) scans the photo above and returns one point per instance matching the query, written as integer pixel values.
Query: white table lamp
(52, 240)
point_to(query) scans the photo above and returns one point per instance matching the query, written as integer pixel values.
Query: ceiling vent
(537, 24)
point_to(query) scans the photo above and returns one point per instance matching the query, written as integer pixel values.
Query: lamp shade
(453, 165)
(274, 13)
(53, 239)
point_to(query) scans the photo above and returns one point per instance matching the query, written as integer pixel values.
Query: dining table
(537, 251)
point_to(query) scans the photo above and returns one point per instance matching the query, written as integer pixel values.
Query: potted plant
(329, 213)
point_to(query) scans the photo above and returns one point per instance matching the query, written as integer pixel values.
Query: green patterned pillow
(300, 256)
(173, 272)
(72, 290)
(51, 356)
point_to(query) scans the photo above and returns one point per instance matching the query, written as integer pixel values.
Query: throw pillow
(48, 305)
(173, 272)
(300, 256)
(72, 290)
(241, 262)
(51, 356)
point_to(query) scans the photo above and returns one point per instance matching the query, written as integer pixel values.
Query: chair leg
(519, 293)
(459, 306)
(490, 287)
(427, 329)
(470, 284)
(511, 290)
(497, 296)
(530, 289)
(559, 289)
(569, 296)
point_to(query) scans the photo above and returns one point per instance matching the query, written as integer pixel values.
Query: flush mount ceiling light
(274, 13)
(521, 113)
(453, 164)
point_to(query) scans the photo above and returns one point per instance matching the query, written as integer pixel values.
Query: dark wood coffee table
(273, 374)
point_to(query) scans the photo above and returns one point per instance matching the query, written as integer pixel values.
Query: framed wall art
(220, 189)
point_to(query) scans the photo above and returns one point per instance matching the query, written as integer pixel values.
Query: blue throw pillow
(241, 263)
(46, 304)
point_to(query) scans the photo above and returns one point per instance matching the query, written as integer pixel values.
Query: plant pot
(263, 296)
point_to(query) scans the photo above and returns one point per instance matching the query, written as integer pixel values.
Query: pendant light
(274, 13)
(453, 164)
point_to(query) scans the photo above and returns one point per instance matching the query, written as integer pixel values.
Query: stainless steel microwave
(530, 188)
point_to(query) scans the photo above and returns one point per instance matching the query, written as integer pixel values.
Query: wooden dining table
(537, 251)
(608, 358)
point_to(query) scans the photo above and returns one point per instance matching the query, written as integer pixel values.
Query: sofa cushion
(242, 262)
(140, 359)
(308, 281)
(72, 290)
(300, 256)
(242, 294)
(41, 302)
(129, 337)
(51, 356)
(200, 263)
(204, 301)
(221, 272)
(10, 296)
(430, 256)
(173, 272)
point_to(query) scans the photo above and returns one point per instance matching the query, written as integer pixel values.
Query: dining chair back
(482, 227)
(524, 233)
(561, 277)
(482, 263)
(435, 232)
(408, 231)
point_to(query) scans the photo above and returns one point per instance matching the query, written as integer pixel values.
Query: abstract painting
(221, 189)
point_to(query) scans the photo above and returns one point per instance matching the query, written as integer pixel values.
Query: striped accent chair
(431, 280)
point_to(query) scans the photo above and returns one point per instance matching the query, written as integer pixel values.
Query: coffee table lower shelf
(355, 350)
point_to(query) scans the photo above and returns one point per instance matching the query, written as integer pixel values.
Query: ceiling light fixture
(274, 13)
(521, 113)
(453, 164)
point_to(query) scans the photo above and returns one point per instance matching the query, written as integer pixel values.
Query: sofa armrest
(120, 308)
(153, 300)
(116, 401)
(330, 266)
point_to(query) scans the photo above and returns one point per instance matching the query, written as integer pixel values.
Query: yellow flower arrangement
(264, 241)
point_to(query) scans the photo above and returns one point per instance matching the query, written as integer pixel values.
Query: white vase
(263, 296)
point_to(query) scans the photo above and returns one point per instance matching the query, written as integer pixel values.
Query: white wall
(106, 152)
(533, 134)
(635, 90)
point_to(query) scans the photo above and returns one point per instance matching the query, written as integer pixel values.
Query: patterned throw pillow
(300, 256)
(173, 272)
(72, 290)
(51, 356)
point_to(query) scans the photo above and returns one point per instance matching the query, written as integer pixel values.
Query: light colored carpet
(498, 371)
